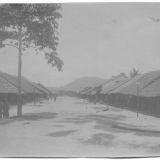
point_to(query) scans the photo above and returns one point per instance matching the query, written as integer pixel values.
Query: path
(73, 128)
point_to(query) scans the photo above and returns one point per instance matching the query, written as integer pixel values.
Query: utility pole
(34, 96)
(137, 83)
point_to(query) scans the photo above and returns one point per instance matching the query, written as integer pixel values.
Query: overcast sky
(102, 40)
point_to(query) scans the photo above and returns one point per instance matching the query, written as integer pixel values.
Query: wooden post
(158, 106)
(137, 99)
(34, 96)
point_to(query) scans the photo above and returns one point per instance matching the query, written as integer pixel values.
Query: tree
(30, 25)
(133, 73)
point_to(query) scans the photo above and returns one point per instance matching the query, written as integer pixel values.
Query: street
(73, 127)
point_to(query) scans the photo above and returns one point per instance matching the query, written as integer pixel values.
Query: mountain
(81, 83)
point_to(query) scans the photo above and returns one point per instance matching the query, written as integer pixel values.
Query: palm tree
(133, 73)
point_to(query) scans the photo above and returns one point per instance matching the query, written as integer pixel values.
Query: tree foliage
(133, 73)
(39, 28)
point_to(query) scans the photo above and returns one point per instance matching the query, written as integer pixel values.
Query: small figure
(1, 109)
(55, 97)
(6, 108)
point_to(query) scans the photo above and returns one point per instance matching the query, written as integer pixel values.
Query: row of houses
(30, 90)
(141, 92)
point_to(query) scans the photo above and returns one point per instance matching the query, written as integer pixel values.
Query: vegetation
(133, 73)
(30, 25)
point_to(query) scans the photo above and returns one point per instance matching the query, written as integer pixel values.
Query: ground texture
(74, 128)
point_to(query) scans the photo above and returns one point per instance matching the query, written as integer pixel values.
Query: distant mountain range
(81, 83)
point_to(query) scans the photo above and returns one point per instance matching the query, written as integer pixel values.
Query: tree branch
(10, 45)
(153, 19)
(37, 48)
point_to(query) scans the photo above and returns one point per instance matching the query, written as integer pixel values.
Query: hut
(9, 91)
(83, 92)
(117, 96)
(47, 90)
(143, 96)
(44, 92)
(31, 92)
(108, 83)
(104, 93)
(150, 97)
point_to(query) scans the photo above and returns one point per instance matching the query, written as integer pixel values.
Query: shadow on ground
(100, 108)
(57, 125)
(154, 149)
(107, 119)
(105, 122)
(104, 127)
(36, 116)
(29, 117)
(37, 105)
(81, 103)
(75, 120)
(101, 139)
(61, 133)
(147, 134)
(6, 121)
(103, 107)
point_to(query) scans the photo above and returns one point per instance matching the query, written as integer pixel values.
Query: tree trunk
(19, 105)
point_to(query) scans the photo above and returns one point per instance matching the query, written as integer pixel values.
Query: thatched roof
(114, 86)
(111, 79)
(127, 84)
(26, 86)
(143, 82)
(35, 85)
(108, 83)
(84, 90)
(152, 90)
(6, 87)
(47, 90)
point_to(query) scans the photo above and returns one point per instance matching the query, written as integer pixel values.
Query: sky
(95, 39)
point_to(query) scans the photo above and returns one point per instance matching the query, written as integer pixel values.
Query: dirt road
(74, 128)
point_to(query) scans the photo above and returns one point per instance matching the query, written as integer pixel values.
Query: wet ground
(73, 128)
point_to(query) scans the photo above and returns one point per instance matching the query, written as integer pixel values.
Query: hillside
(81, 83)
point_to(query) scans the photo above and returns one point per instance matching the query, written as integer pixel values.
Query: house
(44, 92)
(145, 94)
(29, 89)
(143, 81)
(9, 91)
(110, 88)
(83, 92)
(103, 86)
(126, 84)
(49, 92)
